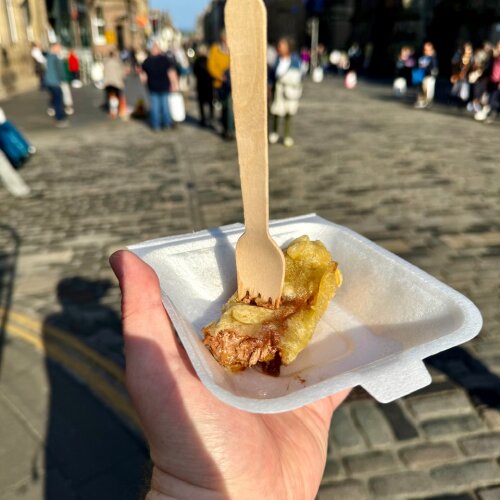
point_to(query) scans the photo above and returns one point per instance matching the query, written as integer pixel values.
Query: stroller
(15, 147)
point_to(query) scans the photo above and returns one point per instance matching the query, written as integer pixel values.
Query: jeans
(159, 113)
(56, 101)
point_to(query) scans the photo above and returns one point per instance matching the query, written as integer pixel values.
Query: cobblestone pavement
(425, 185)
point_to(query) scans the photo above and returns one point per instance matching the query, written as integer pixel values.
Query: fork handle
(246, 25)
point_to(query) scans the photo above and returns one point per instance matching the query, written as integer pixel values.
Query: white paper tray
(387, 317)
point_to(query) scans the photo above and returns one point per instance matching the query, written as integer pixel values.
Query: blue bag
(13, 144)
(417, 76)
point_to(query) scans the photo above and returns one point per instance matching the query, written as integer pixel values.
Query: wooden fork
(259, 261)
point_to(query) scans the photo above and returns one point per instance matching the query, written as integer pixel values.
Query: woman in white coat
(286, 80)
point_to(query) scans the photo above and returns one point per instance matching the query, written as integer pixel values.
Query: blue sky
(183, 12)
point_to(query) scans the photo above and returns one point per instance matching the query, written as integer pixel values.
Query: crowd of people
(474, 81)
(168, 74)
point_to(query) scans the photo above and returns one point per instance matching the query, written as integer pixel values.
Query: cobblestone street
(423, 184)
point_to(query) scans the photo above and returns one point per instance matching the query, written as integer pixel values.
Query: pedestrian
(461, 66)
(218, 66)
(40, 62)
(13, 144)
(204, 86)
(114, 84)
(161, 78)
(73, 65)
(404, 66)
(490, 112)
(479, 77)
(54, 76)
(286, 84)
(428, 64)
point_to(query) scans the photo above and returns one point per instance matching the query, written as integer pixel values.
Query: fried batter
(247, 335)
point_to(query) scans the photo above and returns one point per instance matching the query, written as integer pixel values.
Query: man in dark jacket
(161, 78)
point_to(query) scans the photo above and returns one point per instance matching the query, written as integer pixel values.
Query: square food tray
(385, 319)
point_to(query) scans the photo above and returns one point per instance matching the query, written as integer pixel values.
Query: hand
(200, 447)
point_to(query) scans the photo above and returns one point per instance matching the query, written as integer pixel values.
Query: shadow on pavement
(89, 453)
(9, 251)
(482, 385)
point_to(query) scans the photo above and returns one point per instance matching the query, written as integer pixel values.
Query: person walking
(39, 62)
(161, 78)
(204, 85)
(286, 83)
(429, 64)
(218, 67)
(114, 83)
(461, 66)
(54, 76)
(490, 112)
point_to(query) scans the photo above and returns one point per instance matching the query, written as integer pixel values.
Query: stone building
(285, 18)
(21, 23)
(118, 23)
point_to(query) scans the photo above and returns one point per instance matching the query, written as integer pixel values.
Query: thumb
(146, 325)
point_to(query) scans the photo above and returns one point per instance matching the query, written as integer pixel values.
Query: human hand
(200, 447)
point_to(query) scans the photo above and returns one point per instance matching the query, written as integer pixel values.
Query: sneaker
(470, 107)
(69, 111)
(274, 138)
(62, 124)
(51, 112)
(420, 105)
(288, 142)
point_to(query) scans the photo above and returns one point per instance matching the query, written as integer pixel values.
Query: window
(9, 8)
(99, 27)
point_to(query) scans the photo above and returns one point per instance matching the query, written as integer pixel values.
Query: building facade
(285, 18)
(21, 23)
(118, 24)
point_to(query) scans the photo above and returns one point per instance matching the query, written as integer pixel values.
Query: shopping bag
(351, 80)
(400, 86)
(318, 75)
(177, 108)
(417, 76)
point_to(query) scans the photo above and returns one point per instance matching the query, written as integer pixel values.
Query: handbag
(318, 75)
(461, 89)
(417, 76)
(350, 80)
(177, 107)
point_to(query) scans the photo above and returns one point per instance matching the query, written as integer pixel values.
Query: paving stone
(401, 426)
(377, 461)
(483, 445)
(448, 403)
(489, 493)
(467, 474)
(425, 455)
(333, 469)
(370, 420)
(343, 433)
(460, 424)
(19, 448)
(492, 418)
(401, 483)
(349, 488)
